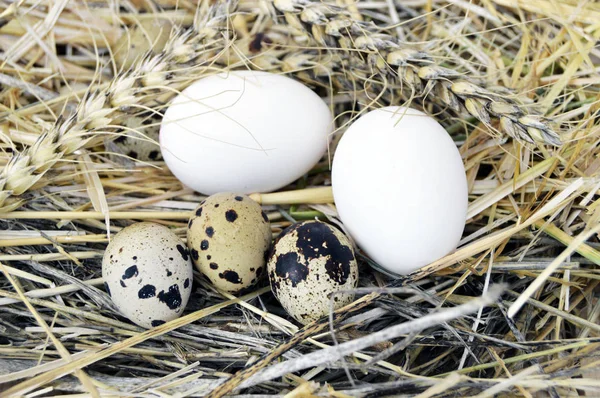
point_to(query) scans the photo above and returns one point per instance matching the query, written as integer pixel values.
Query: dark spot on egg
(239, 198)
(186, 283)
(251, 269)
(183, 251)
(169, 273)
(199, 211)
(157, 322)
(190, 223)
(121, 139)
(204, 245)
(217, 205)
(288, 267)
(317, 240)
(122, 283)
(195, 255)
(231, 215)
(264, 216)
(134, 258)
(172, 298)
(208, 257)
(132, 154)
(153, 155)
(231, 277)
(107, 289)
(214, 266)
(210, 231)
(259, 271)
(147, 291)
(130, 272)
(121, 250)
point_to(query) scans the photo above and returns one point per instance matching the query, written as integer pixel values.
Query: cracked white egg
(244, 132)
(400, 188)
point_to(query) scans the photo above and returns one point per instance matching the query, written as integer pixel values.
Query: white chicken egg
(400, 188)
(148, 273)
(244, 132)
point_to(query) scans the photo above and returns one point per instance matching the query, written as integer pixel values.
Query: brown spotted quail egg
(309, 262)
(229, 238)
(148, 273)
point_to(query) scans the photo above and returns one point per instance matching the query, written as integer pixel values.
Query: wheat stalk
(412, 68)
(189, 55)
(133, 90)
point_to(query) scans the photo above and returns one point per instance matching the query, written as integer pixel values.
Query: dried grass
(516, 83)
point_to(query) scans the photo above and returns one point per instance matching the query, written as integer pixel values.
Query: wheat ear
(131, 91)
(332, 26)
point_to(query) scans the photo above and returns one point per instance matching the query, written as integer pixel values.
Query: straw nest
(512, 312)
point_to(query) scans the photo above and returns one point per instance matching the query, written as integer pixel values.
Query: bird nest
(512, 312)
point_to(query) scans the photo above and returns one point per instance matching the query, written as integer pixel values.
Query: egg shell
(229, 238)
(148, 273)
(309, 262)
(254, 131)
(400, 188)
(140, 140)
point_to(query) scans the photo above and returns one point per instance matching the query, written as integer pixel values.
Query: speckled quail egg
(148, 273)
(140, 139)
(308, 263)
(229, 237)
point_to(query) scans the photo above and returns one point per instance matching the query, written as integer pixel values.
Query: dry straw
(515, 83)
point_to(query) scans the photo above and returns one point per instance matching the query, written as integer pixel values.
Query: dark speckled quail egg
(309, 262)
(148, 273)
(229, 237)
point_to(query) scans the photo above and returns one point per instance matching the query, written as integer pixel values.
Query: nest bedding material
(512, 312)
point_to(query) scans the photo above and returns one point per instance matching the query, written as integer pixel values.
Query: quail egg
(140, 139)
(229, 237)
(148, 273)
(308, 263)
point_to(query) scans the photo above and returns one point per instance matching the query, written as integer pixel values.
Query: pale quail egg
(229, 238)
(308, 263)
(140, 139)
(148, 273)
